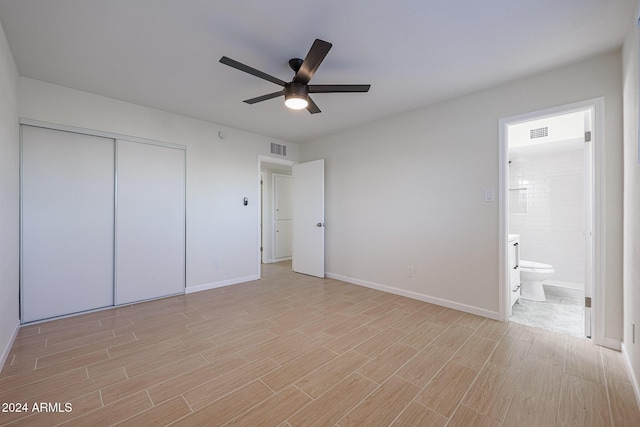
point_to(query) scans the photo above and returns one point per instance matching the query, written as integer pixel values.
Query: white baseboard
(632, 374)
(564, 284)
(274, 260)
(421, 297)
(5, 352)
(214, 285)
(563, 292)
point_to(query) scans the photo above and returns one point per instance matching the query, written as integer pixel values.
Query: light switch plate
(488, 196)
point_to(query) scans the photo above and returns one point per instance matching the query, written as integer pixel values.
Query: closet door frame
(115, 137)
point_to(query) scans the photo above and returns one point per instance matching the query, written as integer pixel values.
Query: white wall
(552, 230)
(220, 173)
(9, 199)
(409, 190)
(631, 76)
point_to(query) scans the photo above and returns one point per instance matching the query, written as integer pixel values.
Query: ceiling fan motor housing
(296, 90)
(296, 95)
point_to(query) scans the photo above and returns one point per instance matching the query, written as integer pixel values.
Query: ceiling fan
(296, 93)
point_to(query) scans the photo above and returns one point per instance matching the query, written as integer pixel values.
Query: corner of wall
(9, 199)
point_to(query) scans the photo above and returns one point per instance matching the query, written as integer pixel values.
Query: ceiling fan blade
(312, 107)
(264, 97)
(312, 61)
(242, 67)
(338, 88)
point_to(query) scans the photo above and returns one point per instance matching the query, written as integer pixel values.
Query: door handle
(320, 224)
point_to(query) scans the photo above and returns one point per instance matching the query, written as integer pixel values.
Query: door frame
(261, 220)
(596, 105)
(265, 159)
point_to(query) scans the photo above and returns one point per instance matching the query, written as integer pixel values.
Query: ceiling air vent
(539, 132)
(278, 149)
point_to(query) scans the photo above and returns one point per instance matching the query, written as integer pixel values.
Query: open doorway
(291, 217)
(549, 204)
(276, 212)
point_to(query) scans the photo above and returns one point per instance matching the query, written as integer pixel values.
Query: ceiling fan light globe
(296, 103)
(295, 96)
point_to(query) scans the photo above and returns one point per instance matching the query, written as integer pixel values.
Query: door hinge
(587, 136)
(587, 302)
(261, 249)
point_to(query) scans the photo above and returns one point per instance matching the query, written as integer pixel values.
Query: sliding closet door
(150, 221)
(67, 219)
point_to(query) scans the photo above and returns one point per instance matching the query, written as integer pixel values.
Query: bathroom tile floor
(562, 312)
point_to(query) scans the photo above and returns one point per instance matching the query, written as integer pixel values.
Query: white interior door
(150, 222)
(66, 223)
(308, 218)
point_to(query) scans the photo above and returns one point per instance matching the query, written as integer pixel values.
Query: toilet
(532, 273)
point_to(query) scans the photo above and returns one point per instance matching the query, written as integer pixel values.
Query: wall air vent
(278, 149)
(539, 132)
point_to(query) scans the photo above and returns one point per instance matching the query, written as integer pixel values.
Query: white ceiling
(164, 53)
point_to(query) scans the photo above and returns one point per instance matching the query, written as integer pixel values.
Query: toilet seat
(534, 265)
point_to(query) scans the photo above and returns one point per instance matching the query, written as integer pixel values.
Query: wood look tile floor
(292, 350)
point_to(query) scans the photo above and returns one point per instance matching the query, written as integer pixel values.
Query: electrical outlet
(410, 272)
(217, 263)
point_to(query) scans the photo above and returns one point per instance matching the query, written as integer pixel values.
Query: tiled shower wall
(551, 230)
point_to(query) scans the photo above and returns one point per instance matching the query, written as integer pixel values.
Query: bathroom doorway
(549, 197)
